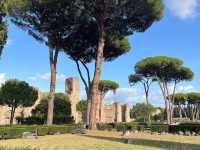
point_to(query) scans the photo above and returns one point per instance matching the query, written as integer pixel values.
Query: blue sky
(177, 35)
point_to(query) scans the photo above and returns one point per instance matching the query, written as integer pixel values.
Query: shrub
(31, 120)
(38, 120)
(122, 126)
(191, 127)
(62, 111)
(159, 128)
(104, 126)
(12, 132)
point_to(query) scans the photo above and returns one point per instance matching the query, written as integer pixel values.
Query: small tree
(16, 93)
(62, 113)
(139, 111)
(166, 70)
(104, 87)
(146, 82)
(82, 106)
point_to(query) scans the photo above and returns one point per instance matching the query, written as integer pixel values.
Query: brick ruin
(105, 113)
(26, 112)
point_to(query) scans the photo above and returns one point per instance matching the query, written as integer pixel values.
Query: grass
(99, 140)
(72, 142)
(8, 148)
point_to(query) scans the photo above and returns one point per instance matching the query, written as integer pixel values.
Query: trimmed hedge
(185, 127)
(16, 131)
(159, 128)
(133, 126)
(122, 126)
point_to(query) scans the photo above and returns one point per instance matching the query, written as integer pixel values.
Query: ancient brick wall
(72, 89)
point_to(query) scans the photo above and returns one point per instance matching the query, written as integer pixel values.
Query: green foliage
(62, 110)
(104, 126)
(165, 68)
(140, 110)
(12, 132)
(23, 148)
(31, 120)
(133, 126)
(184, 127)
(15, 93)
(85, 39)
(193, 98)
(159, 128)
(134, 79)
(161, 117)
(137, 15)
(3, 26)
(107, 85)
(85, 44)
(46, 21)
(180, 98)
(82, 106)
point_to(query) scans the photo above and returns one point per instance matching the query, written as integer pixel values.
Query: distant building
(105, 113)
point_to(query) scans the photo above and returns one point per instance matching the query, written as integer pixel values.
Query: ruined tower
(73, 91)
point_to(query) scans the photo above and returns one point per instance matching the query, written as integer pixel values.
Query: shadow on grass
(168, 145)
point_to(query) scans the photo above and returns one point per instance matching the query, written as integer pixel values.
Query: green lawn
(106, 141)
(72, 142)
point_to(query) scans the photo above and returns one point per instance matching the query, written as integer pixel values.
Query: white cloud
(9, 42)
(182, 88)
(46, 77)
(185, 89)
(183, 8)
(125, 95)
(2, 78)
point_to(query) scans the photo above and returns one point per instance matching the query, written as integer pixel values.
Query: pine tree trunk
(148, 111)
(88, 112)
(53, 62)
(180, 112)
(97, 73)
(100, 106)
(88, 106)
(12, 115)
(94, 90)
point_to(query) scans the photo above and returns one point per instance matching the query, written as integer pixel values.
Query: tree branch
(88, 72)
(81, 75)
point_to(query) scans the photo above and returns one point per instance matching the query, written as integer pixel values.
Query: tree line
(187, 105)
(166, 72)
(85, 30)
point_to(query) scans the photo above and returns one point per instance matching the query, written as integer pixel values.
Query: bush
(62, 112)
(12, 132)
(122, 126)
(159, 128)
(31, 120)
(104, 126)
(38, 120)
(133, 126)
(191, 127)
